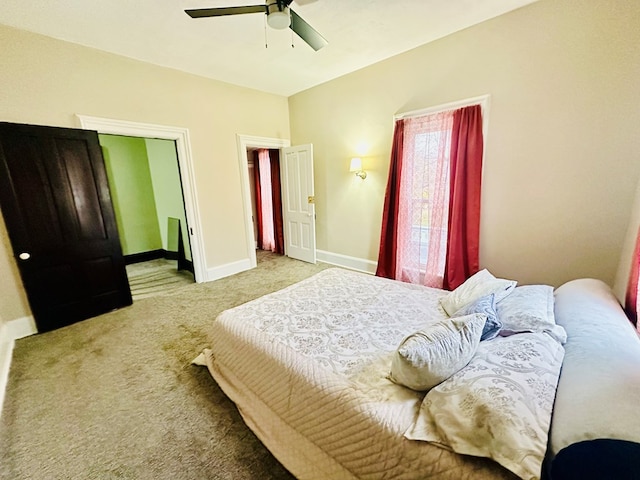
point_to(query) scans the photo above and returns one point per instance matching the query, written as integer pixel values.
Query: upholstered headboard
(595, 430)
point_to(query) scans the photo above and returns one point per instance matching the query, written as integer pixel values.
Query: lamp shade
(356, 164)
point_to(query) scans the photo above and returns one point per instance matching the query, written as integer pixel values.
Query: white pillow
(476, 286)
(431, 355)
(499, 406)
(529, 308)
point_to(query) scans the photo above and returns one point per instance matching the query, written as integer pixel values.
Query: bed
(309, 370)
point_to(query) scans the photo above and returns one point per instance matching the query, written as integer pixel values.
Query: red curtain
(631, 298)
(276, 191)
(387, 254)
(463, 237)
(256, 181)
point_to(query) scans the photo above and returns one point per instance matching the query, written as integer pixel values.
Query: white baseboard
(222, 271)
(6, 350)
(353, 263)
(21, 327)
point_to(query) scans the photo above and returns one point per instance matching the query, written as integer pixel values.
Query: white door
(298, 208)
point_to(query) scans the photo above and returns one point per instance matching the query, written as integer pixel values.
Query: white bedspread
(307, 369)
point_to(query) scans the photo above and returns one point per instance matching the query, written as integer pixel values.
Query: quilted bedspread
(307, 367)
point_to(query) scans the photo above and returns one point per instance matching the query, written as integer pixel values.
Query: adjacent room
(146, 192)
(212, 277)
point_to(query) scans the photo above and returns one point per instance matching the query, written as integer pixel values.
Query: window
(431, 218)
(424, 199)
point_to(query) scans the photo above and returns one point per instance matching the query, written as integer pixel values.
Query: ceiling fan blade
(306, 32)
(218, 12)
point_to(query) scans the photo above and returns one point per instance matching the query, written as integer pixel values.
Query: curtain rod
(482, 100)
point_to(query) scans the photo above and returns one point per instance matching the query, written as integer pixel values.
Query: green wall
(165, 177)
(132, 193)
(146, 190)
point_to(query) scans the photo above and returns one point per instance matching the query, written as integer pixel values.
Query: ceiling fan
(279, 16)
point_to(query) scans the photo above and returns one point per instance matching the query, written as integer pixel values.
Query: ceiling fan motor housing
(278, 16)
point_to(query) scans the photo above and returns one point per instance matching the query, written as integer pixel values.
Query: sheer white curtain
(266, 213)
(424, 199)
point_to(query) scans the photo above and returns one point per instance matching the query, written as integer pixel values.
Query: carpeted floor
(115, 397)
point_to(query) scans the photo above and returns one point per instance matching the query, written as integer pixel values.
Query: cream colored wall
(561, 161)
(46, 81)
(13, 300)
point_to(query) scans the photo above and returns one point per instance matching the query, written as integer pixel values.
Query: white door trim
(244, 142)
(185, 160)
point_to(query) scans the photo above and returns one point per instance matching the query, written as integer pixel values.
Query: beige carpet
(115, 397)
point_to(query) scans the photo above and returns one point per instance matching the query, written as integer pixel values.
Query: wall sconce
(356, 166)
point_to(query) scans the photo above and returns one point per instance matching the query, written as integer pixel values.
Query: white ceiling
(232, 48)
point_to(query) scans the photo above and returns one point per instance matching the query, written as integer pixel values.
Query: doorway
(187, 177)
(266, 200)
(298, 198)
(245, 144)
(147, 196)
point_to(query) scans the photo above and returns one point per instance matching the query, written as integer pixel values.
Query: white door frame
(185, 161)
(244, 142)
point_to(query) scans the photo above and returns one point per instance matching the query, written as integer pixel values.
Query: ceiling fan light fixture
(278, 17)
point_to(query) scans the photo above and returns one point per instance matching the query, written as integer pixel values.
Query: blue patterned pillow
(487, 306)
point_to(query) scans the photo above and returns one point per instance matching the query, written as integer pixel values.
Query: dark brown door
(57, 207)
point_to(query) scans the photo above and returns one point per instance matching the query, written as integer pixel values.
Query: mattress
(307, 368)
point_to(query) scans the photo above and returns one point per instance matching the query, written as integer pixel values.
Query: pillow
(476, 286)
(484, 305)
(499, 406)
(529, 308)
(431, 355)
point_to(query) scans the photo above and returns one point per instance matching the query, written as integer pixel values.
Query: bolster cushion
(595, 421)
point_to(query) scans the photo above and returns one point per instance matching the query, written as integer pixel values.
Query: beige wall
(13, 301)
(561, 161)
(46, 81)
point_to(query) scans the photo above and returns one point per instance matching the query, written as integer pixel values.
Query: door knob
(24, 256)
